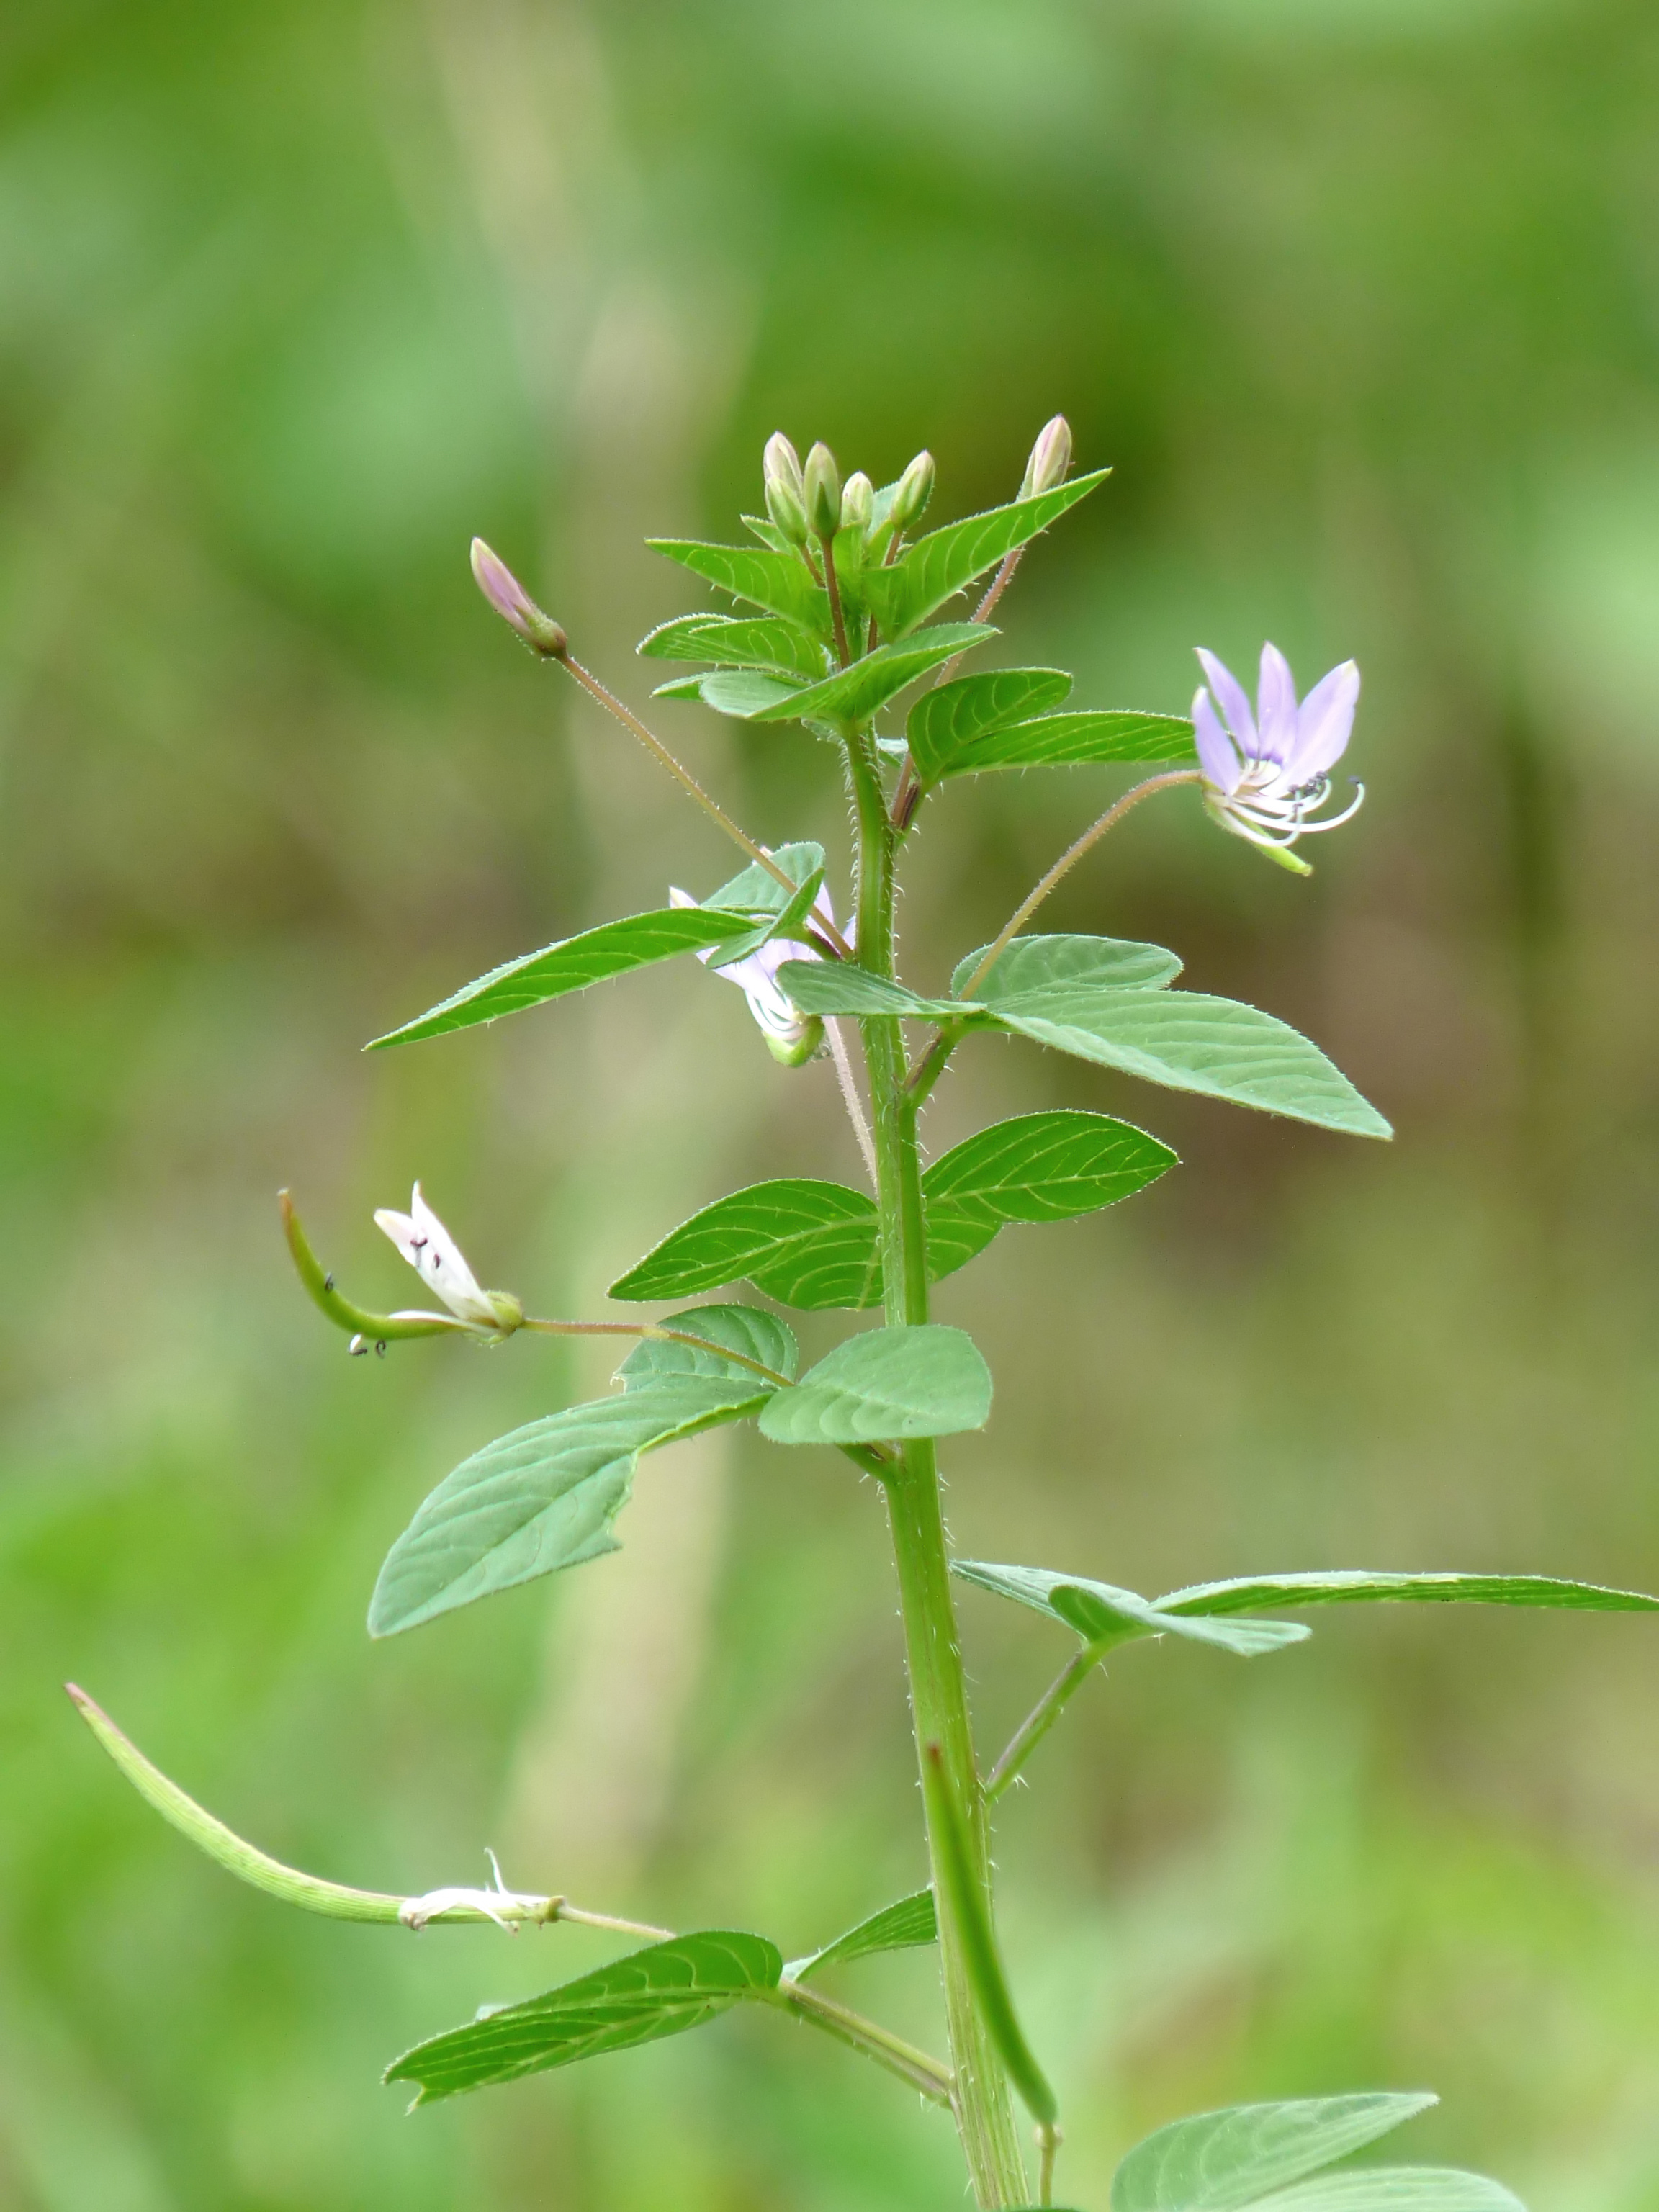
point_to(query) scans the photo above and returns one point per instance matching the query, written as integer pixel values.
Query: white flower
(436, 1258)
(791, 1035)
(1267, 775)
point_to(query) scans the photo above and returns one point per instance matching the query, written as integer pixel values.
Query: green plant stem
(864, 2036)
(938, 1696)
(1041, 1717)
(832, 585)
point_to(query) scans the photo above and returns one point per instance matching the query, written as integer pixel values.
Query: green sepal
(573, 964)
(953, 715)
(662, 1990)
(885, 1386)
(945, 561)
(778, 582)
(911, 1923)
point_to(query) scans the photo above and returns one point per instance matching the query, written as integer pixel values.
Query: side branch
(1041, 1717)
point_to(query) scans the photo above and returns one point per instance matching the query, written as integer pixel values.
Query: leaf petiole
(1043, 1715)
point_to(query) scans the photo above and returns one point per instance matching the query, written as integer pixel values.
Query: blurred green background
(1361, 299)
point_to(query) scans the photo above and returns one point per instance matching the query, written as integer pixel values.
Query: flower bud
(821, 485)
(783, 488)
(514, 603)
(916, 488)
(1051, 457)
(857, 501)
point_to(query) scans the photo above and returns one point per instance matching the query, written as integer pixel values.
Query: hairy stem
(938, 1696)
(909, 791)
(911, 2065)
(849, 1090)
(1041, 1717)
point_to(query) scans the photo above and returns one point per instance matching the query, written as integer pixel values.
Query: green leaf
(908, 1925)
(1033, 964)
(1103, 1615)
(776, 581)
(755, 890)
(840, 987)
(936, 567)
(740, 693)
(1082, 740)
(571, 965)
(1355, 1586)
(1187, 1042)
(888, 1383)
(1224, 2161)
(814, 1245)
(1048, 1167)
(748, 1331)
(953, 715)
(544, 1497)
(1394, 2189)
(765, 641)
(638, 1999)
(855, 693)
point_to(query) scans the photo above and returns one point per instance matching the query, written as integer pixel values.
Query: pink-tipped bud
(1051, 457)
(514, 603)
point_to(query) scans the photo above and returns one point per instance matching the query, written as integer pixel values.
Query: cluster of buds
(809, 501)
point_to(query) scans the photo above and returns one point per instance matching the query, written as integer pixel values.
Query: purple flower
(514, 603)
(791, 1035)
(1267, 775)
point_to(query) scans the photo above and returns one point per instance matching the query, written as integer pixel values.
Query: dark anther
(328, 1282)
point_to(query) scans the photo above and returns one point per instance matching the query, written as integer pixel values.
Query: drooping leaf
(887, 1384)
(855, 693)
(748, 1331)
(1394, 2189)
(936, 567)
(1355, 1586)
(953, 715)
(1104, 1615)
(763, 641)
(776, 581)
(1076, 740)
(1034, 964)
(1188, 1042)
(571, 965)
(546, 1495)
(840, 987)
(1226, 2161)
(662, 1990)
(740, 693)
(814, 1245)
(1048, 1167)
(908, 1925)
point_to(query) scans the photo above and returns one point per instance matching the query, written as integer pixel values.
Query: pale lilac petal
(1230, 697)
(1276, 706)
(1217, 754)
(1325, 719)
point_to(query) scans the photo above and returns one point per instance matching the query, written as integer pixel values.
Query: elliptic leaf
(1355, 1586)
(840, 987)
(544, 1497)
(1187, 1042)
(649, 1994)
(748, 1331)
(755, 890)
(814, 1245)
(936, 567)
(777, 582)
(889, 1384)
(1077, 740)
(571, 965)
(1226, 2161)
(908, 1925)
(1048, 1167)
(1034, 964)
(1103, 1615)
(855, 694)
(1394, 2189)
(763, 641)
(740, 693)
(953, 715)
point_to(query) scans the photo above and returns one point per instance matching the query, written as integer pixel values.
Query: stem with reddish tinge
(832, 585)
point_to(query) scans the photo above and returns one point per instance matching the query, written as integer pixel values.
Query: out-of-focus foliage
(1360, 299)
